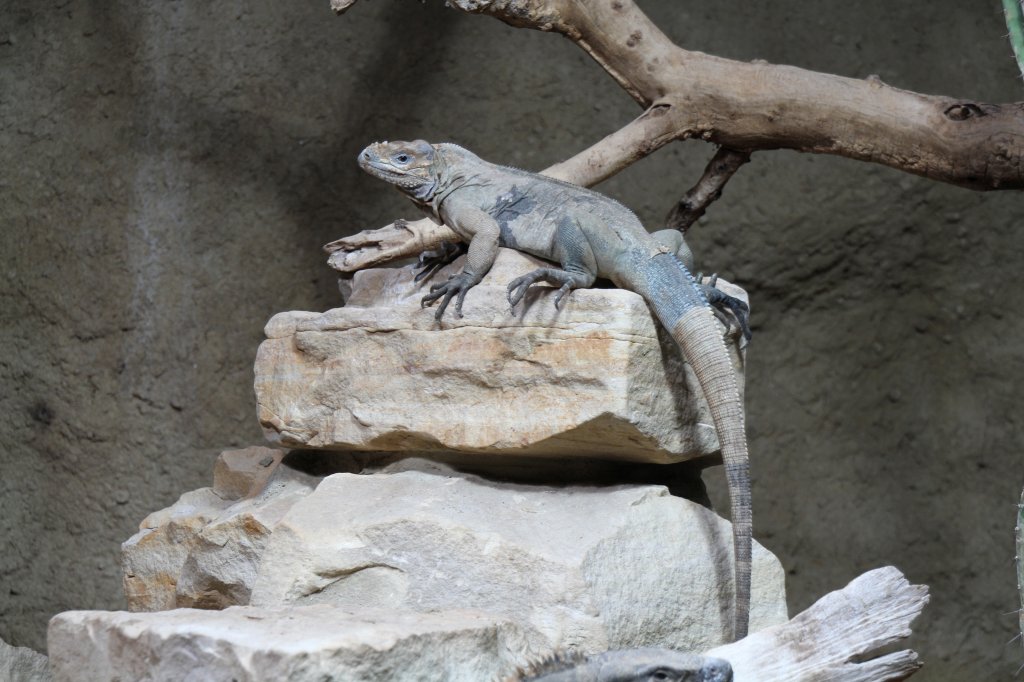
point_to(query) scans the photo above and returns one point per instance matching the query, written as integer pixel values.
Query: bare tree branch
(764, 106)
(642, 136)
(722, 166)
(740, 106)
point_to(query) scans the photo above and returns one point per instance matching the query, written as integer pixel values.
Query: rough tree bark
(741, 106)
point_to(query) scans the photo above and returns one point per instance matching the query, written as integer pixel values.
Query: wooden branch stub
(835, 638)
(400, 239)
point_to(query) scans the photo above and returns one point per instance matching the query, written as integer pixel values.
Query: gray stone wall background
(171, 170)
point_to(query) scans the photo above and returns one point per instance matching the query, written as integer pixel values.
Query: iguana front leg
(482, 232)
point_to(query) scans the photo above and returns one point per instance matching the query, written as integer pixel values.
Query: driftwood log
(838, 638)
(741, 106)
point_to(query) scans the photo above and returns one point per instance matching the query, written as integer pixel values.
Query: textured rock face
(204, 549)
(581, 567)
(381, 374)
(306, 644)
(21, 664)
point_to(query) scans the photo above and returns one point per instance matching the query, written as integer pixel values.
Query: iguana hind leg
(567, 279)
(721, 301)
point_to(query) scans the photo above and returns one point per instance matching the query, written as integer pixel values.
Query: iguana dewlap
(591, 236)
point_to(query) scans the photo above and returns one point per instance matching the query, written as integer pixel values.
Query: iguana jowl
(591, 236)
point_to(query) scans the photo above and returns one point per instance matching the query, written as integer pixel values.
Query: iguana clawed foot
(569, 281)
(722, 302)
(456, 284)
(433, 260)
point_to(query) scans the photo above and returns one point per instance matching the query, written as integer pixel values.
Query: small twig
(708, 189)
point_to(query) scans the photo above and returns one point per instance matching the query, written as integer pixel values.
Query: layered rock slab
(307, 644)
(203, 551)
(596, 378)
(575, 566)
(583, 568)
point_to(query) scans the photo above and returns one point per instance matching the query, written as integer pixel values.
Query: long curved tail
(671, 291)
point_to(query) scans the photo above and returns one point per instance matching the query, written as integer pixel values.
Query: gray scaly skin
(591, 236)
(634, 665)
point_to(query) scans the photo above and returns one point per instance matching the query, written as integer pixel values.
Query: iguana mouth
(375, 159)
(374, 163)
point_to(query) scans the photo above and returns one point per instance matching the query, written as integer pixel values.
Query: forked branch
(748, 106)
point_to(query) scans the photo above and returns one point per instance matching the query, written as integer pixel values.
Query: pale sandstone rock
(21, 664)
(598, 378)
(203, 550)
(576, 567)
(308, 644)
(242, 473)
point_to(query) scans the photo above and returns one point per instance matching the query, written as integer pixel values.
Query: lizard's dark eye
(402, 158)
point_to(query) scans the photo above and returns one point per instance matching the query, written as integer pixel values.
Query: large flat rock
(574, 565)
(586, 568)
(307, 644)
(596, 378)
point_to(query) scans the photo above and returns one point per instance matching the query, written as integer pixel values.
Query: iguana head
(413, 167)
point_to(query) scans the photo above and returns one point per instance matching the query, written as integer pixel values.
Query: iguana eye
(402, 158)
